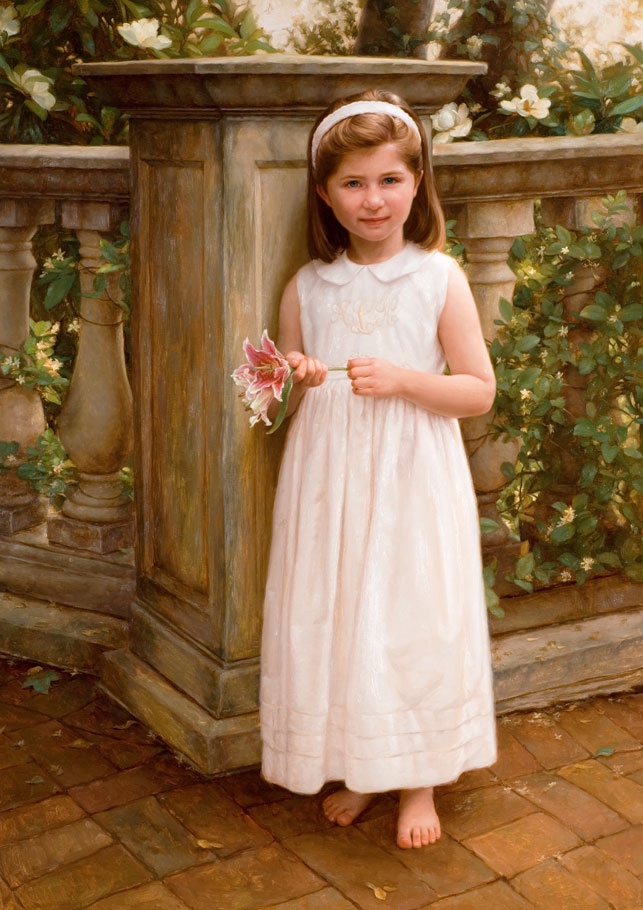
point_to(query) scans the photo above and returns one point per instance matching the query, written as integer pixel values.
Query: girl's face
(371, 194)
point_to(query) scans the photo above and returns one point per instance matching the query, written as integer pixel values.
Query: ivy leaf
(488, 525)
(41, 682)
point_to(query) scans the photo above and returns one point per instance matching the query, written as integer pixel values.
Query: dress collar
(342, 270)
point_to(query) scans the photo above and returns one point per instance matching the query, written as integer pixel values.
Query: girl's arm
(307, 370)
(470, 387)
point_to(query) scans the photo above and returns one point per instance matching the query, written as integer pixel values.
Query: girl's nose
(373, 199)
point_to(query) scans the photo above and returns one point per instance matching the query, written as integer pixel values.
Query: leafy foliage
(522, 46)
(333, 33)
(43, 101)
(570, 386)
(48, 469)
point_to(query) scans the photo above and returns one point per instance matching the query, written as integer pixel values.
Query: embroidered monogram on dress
(365, 316)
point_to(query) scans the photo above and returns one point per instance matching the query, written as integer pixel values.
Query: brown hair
(425, 224)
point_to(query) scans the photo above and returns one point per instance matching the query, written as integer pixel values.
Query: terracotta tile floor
(94, 812)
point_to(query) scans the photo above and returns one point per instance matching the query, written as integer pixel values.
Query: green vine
(575, 494)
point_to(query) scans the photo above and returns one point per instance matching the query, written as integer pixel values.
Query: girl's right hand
(307, 371)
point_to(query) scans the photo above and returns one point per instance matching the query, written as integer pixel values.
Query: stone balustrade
(216, 162)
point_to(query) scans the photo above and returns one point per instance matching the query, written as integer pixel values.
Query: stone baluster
(488, 229)
(95, 423)
(22, 417)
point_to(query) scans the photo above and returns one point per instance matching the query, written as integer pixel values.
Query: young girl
(375, 663)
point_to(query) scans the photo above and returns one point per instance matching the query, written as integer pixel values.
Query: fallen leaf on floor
(604, 750)
(207, 844)
(41, 681)
(380, 892)
(125, 726)
(80, 744)
(36, 780)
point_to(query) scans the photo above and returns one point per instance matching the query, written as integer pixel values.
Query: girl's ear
(321, 192)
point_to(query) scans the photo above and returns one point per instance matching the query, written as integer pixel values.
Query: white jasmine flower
(563, 330)
(526, 394)
(59, 255)
(474, 46)
(20, 380)
(9, 21)
(144, 33)
(32, 82)
(569, 276)
(528, 104)
(501, 90)
(568, 516)
(10, 459)
(452, 121)
(586, 563)
(564, 251)
(630, 125)
(74, 326)
(58, 468)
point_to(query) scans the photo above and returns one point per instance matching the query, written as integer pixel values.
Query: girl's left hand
(371, 376)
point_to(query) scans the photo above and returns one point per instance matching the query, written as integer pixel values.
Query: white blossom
(32, 82)
(474, 46)
(630, 125)
(586, 563)
(528, 104)
(568, 515)
(9, 21)
(452, 121)
(501, 90)
(565, 575)
(144, 33)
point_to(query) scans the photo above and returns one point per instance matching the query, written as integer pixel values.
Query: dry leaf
(80, 744)
(125, 726)
(380, 893)
(207, 844)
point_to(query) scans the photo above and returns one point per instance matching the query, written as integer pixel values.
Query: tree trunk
(394, 29)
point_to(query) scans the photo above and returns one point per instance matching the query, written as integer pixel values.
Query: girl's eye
(352, 183)
(389, 180)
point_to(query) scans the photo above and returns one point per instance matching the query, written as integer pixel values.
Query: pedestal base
(16, 518)
(97, 537)
(212, 746)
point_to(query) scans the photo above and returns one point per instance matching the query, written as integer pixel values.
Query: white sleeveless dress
(375, 660)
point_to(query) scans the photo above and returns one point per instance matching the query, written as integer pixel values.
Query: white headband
(359, 107)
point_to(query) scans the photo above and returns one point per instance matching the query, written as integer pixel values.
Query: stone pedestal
(218, 153)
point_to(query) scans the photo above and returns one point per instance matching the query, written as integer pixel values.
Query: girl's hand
(371, 376)
(307, 371)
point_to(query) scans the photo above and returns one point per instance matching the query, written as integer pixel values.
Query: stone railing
(216, 161)
(84, 190)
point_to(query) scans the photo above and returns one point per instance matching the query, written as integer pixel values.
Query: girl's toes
(404, 840)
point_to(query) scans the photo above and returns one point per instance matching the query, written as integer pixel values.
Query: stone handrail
(489, 187)
(85, 190)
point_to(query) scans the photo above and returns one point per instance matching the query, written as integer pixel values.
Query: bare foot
(343, 806)
(418, 823)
